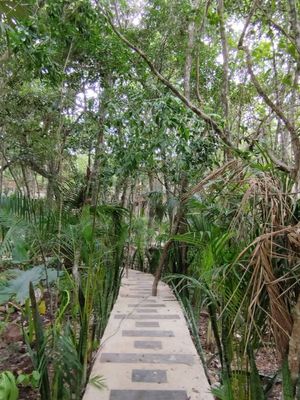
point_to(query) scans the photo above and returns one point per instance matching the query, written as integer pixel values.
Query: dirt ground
(13, 351)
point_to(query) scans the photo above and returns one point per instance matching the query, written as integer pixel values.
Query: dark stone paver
(149, 375)
(147, 324)
(146, 333)
(158, 316)
(151, 300)
(148, 395)
(147, 358)
(146, 305)
(146, 310)
(143, 286)
(147, 292)
(148, 344)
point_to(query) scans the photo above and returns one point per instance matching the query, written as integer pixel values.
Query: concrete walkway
(146, 352)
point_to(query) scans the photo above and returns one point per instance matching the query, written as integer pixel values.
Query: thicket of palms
(243, 246)
(84, 249)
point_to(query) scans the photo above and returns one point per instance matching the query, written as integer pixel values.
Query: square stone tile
(149, 375)
(148, 395)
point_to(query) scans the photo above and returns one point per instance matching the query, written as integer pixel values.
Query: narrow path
(147, 352)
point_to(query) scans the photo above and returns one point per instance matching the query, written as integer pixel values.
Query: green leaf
(19, 286)
(23, 379)
(19, 252)
(8, 387)
(263, 50)
(287, 381)
(98, 382)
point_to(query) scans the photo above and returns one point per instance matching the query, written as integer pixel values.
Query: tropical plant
(87, 251)
(8, 386)
(243, 267)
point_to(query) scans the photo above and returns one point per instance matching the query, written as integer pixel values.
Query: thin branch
(281, 165)
(281, 30)
(250, 15)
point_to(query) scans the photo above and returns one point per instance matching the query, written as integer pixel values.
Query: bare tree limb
(250, 15)
(281, 165)
(225, 88)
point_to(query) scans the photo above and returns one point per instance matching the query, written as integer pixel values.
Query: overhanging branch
(200, 113)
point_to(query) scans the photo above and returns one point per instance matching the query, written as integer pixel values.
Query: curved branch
(200, 113)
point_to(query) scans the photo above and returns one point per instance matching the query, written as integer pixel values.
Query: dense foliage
(161, 135)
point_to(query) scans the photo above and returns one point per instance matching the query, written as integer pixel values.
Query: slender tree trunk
(37, 186)
(14, 176)
(53, 191)
(189, 51)
(151, 211)
(225, 67)
(164, 256)
(295, 23)
(25, 180)
(295, 30)
(180, 220)
(95, 182)
(131, 211)
(225, 86)
(50, 190)
(168, 196)
(124, 191)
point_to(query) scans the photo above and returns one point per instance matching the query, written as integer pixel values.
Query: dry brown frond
(230, 165)
(263, 279)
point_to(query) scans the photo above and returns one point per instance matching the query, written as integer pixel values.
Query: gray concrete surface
(165, 368)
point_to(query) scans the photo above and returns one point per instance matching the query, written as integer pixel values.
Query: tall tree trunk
(131, 211)
(295, 23)
(53, 191)
(295, 31)
(37, 186)
(25, 180)
(151, 211)
(168, 195)
(50, 190)
(95, 182)
(124, 191)
(180, 220)
(165, 252)
(189, 50)
(225, 67)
